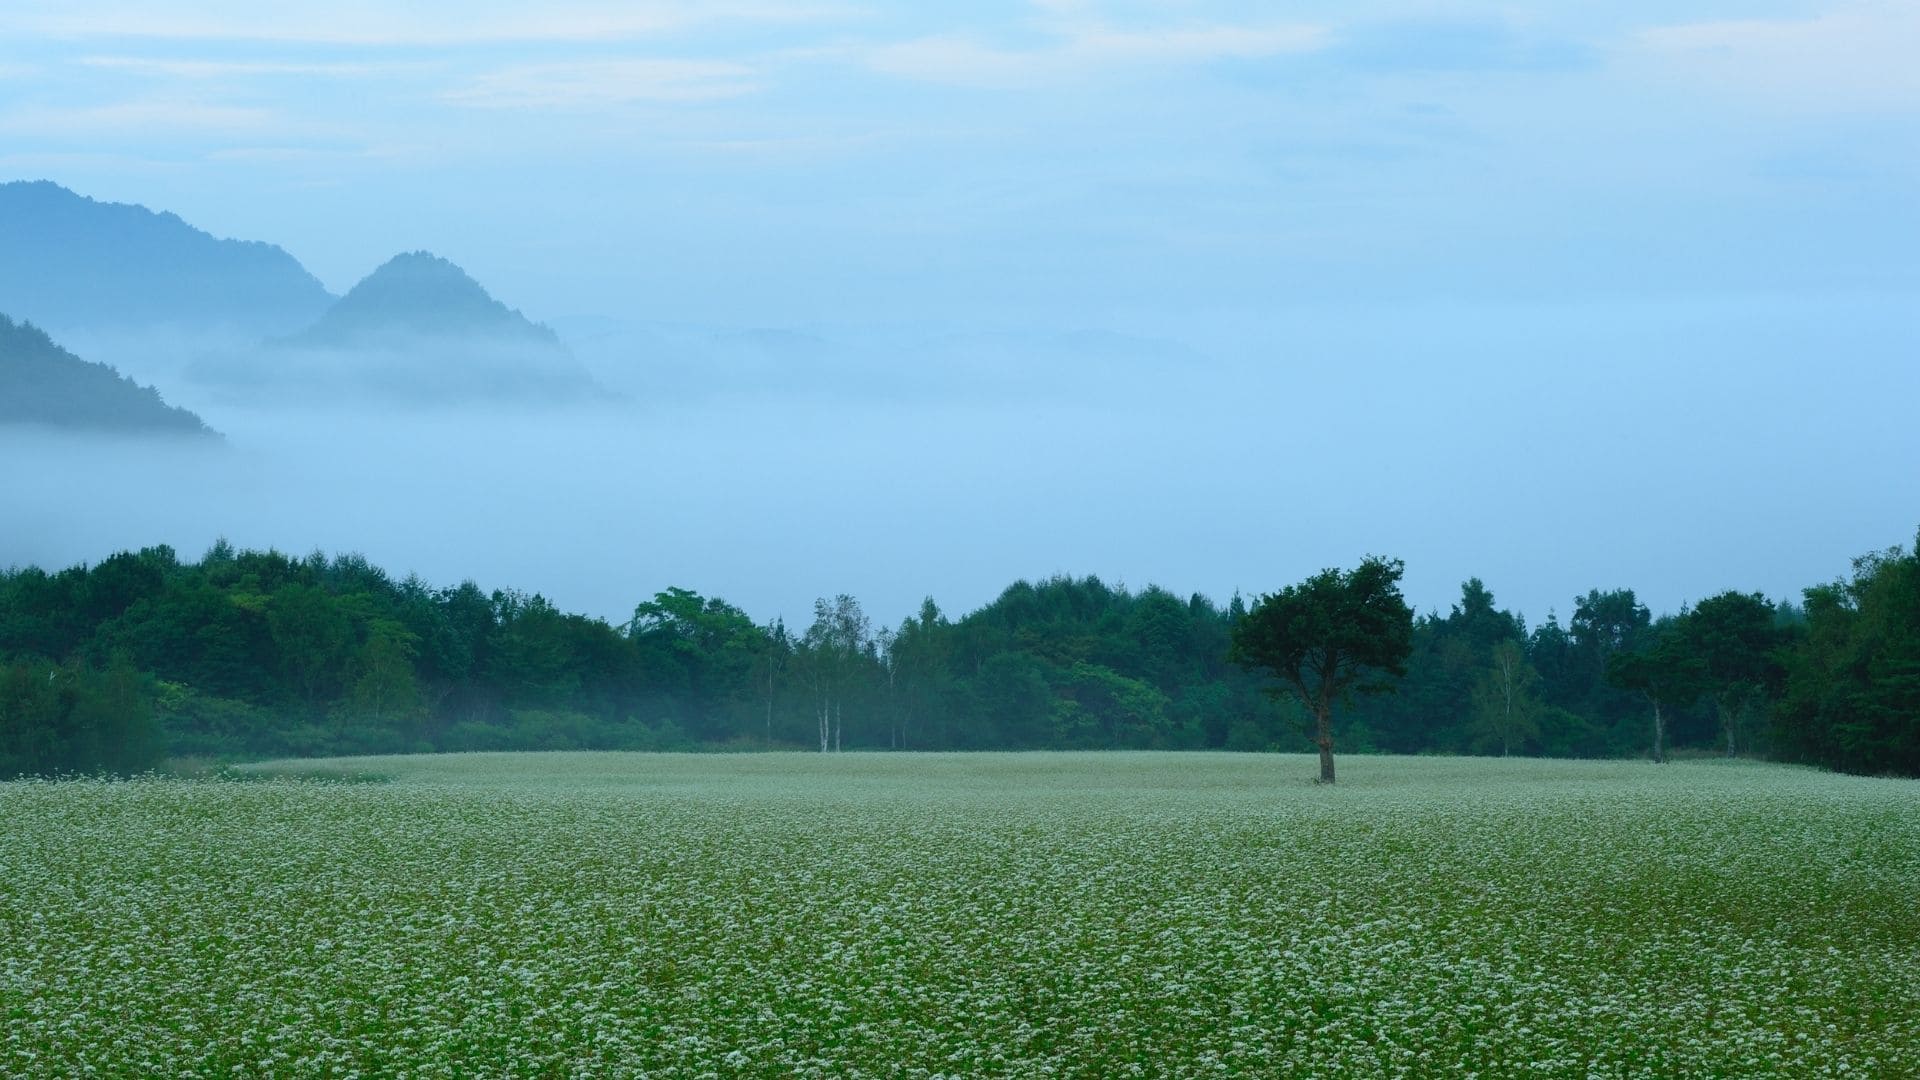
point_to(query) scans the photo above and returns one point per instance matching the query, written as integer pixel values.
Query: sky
(1210, 294)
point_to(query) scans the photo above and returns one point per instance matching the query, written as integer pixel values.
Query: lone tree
(1334, 634)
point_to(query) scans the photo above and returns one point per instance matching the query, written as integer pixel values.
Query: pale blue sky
(1616, 253)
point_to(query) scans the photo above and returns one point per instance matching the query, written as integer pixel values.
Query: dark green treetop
(1337, 633)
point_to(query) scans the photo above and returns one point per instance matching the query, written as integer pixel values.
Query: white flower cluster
(963, 915)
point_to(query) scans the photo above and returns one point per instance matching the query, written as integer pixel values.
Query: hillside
(418, 295)
(420, 328)
(42, 383)
(70, 262)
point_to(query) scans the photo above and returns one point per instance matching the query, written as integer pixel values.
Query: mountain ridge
(420, 329)
(69, 262)
(417, 294)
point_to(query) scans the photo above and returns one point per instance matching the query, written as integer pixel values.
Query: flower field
(963, 915)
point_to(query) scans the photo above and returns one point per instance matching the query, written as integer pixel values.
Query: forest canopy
(117, 666)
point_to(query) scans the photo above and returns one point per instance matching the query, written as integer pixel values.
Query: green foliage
(1852, 697)
(1735, 638)
(1506, 702)
(257, 653)
(1664, 668)
(705, 652)
(69, 718)
(1111, 710)
(1335, 633)
(1338, 633)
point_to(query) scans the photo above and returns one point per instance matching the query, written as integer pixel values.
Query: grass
(999, 914)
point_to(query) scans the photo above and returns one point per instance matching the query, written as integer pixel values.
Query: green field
(923, 915)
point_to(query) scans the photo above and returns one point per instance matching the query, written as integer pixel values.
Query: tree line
(116, 666)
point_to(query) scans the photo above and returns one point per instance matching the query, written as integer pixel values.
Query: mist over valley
(597, 459)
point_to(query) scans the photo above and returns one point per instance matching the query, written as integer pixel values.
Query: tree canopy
(256, 653)
(1338, 632)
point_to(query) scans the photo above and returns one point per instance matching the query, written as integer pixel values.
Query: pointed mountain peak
(420, 329)
(419, 294)
(422, 270)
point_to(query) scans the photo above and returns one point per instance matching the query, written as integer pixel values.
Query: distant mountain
(69, 262)
(42, 383)
(418, 295)
(420, 328)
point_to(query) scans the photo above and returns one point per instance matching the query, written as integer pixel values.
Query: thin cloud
(965, 60)
(1855, 55)
(790, 148)
(225, 69)
(371, 24)
(1455, 44)
(138, 118)
(278, 155)
(1198, 44)
(606, 82)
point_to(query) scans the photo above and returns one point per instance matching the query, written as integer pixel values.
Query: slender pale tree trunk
(837, 724)
(1659, 731)
(1507, 676)
(893, 704)
(1506, 722)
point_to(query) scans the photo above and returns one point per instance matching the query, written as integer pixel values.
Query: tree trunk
(1506, 700)
(1323, 717)
(1506, 708)
(1659, 733)
(1727, 716)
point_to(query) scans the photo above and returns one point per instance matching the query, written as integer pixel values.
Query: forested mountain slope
(42, 383)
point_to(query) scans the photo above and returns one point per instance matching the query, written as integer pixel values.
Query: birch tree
(1506, 702)
(835, 646)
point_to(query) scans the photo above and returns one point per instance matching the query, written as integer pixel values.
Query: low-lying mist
(772, 466)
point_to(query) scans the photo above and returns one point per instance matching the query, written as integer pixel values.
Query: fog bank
(1757, 444)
